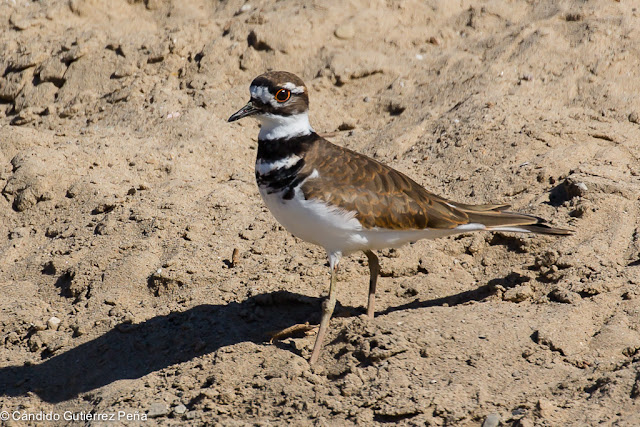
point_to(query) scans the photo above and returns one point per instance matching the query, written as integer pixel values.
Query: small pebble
(348, 124)
(79, 329)
(38, 326)
(53, 323)
(545, 407)
(634, 117)
(492, 420)
(158, 409)
(564, 296)
(180, 409)
(235, 257)
(345, 32)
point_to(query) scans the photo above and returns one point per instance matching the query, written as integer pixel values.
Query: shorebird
(345, 201)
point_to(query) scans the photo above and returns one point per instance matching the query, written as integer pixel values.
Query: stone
(345, 32)
(492, 420)
(158, 409)
(53, 323)
(518, 294)
(52, 70)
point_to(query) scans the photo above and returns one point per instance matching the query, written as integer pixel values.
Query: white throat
(275, 126)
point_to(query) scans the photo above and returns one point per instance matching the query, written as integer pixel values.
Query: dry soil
(126, 194)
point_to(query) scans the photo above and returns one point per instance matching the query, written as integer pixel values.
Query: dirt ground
(126, 194)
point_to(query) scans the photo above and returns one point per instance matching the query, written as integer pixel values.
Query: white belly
(338, 230)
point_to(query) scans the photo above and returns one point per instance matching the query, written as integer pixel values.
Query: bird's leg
(374, 269)
(327, 309)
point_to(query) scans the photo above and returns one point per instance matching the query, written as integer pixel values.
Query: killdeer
(344, 201)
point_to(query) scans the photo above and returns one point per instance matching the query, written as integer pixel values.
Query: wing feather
(385, 198)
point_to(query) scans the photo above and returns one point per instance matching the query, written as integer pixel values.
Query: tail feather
(534, 228)
(482, 208)
(496, 219)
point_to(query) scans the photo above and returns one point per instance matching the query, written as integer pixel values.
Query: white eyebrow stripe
(260, 92)
(293, 88)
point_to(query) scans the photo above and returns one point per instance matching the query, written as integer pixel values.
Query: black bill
(247, 110)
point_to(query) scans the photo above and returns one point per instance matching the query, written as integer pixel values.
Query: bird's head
(280, 101)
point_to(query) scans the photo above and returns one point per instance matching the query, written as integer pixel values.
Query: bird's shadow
(130, 351)
(477, 294)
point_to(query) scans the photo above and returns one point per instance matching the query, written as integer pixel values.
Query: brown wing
(385, 198)
(380, 196)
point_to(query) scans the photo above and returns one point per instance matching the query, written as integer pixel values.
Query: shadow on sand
(132, 351)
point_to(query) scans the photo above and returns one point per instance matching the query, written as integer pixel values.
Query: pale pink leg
(374, 269)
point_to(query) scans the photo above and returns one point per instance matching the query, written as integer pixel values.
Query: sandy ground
(125, 194)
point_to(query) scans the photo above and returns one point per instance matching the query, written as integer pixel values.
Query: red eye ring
(283, 95)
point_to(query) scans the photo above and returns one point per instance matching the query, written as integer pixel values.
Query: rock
(518, 294)
(24, 200)
(158, 409)
(34, 343)
(53, 323)
(477, 243)
(492, 420)
(564, 296)
(573, 17)
(545, 407)
(39, 326)
(30, 58)
(20, 22)
(245, 8)
(104, 227)
(76, 52)
(525, 422)
(347, 124)
(634, 117)
(52, 70)
(124, 68)
(79, 329)
(103, 208)
(12, 83)
(180, 409)
(13, 337)
(37, 97)
(351, 384)
(51, 340)
(345, 32)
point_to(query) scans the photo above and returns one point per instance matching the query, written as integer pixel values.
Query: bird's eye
(283, 95)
